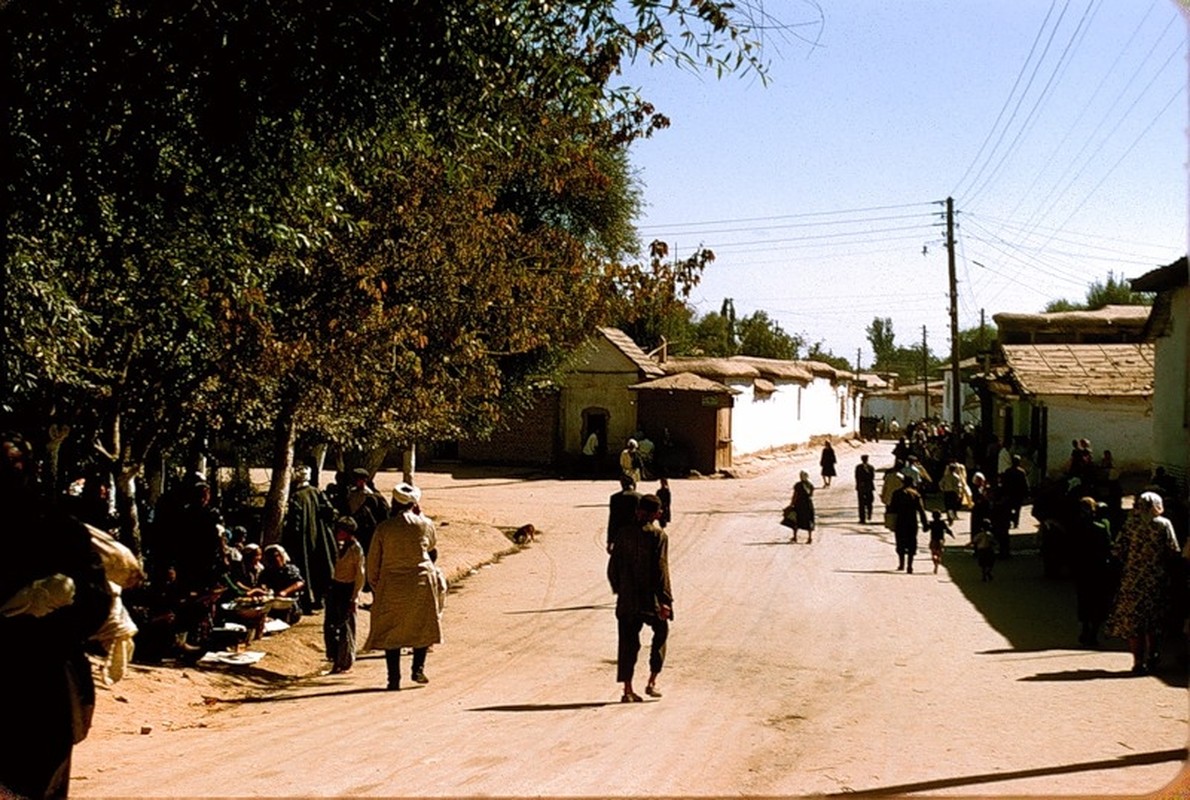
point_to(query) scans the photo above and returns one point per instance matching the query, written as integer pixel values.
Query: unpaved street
(793, 669)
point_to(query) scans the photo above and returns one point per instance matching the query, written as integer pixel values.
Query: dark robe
(46, 691)
(308, 540)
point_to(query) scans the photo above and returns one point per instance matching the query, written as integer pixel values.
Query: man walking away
(621, 509)
(638, 571)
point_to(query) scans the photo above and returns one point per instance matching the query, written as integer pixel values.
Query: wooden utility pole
(925, 372)
(956, 388)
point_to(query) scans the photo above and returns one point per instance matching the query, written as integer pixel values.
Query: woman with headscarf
(1146, 548)
(407, 587)
(909, 508)
(803, 507)
(827, 463)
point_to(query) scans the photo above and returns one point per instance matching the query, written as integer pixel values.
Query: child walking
(343, 597)
(938, 532)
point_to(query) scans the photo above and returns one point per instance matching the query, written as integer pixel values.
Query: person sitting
(284, 579)
(250, 605)
(244, 575)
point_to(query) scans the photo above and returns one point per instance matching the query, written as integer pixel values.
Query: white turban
(406, 494)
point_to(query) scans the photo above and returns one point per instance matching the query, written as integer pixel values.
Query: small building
(779, 402)
(1041, 396)
(906, 403)
(694, 417)
(1113, 324)
(592, 396)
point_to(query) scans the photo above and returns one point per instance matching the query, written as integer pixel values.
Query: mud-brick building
(692, 417)
(592, 396)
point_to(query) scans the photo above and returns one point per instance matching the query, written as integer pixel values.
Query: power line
(1007, 101)
(804, 215)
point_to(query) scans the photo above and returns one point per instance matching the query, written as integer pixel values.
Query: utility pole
(956, 388)
(925, 372)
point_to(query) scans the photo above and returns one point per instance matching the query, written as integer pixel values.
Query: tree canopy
(371, 220)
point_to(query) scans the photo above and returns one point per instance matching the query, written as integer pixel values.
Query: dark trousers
(392, 659)
(629, 630)
(866, 498)
(338, 626)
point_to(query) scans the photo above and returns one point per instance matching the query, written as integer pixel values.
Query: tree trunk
(409, 464)
(284, 437)
(127, 508)
(318, 457)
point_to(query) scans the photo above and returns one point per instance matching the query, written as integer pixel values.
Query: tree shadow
(1133, 760)
(518, 707)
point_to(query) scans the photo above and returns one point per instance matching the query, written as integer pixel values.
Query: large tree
(313, 216)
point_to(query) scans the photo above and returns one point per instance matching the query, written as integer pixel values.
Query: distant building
(1071, 375)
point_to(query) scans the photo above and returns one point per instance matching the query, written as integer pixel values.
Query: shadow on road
(548, 706)
(1036, 614)
(592, 607)
(1138, 759)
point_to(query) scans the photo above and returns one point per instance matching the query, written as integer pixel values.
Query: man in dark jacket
(1014, 485)
(53, 597)
(621, 508)
(865, 488)
(638, 571)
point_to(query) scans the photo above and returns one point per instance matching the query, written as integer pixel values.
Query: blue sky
(1059, 128)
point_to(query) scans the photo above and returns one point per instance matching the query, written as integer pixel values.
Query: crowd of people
(209, 585)
(1129, 566)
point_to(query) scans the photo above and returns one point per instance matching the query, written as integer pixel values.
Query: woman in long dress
(803, 507)
(407, 587)
(1146, 547)
(827, 462)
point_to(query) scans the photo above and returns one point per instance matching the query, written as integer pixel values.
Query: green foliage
(1114, 291)
(762, 336)
(883, 340)
(711, 335)
(819, 352)
(973, 341)
(369, 221)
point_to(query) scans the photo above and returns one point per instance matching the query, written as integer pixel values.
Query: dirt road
(793, 669)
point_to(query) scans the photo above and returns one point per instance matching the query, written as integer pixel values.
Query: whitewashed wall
(1171, 391)
(792, 415)
(1123, 425)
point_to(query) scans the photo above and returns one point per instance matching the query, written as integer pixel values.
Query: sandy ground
(792, 670)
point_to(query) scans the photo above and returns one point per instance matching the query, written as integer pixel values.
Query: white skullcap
(406, 494)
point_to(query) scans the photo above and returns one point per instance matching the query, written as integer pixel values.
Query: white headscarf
(1153, 500)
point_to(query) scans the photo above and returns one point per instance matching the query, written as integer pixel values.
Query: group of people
(1130, 578)
(206, 578)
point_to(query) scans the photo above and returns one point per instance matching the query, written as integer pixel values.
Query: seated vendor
(244, 575)
(284, 579)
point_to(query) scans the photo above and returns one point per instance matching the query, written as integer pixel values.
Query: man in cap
(408, 588)
(865, 488)
(308, 540)
(621, 509)
(638, 571)
(365, 505)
